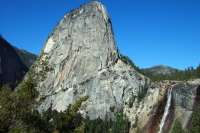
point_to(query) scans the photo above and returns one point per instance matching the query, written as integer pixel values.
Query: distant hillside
(11, 66)
(161, 69)
(27, 58)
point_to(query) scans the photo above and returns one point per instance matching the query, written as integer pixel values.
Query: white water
(169, 96)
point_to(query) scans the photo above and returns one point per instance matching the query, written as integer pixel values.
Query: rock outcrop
(11, 67)
(85, 60)
(184, 96)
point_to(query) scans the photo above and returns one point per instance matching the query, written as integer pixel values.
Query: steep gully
(163, 117)
(155, 121)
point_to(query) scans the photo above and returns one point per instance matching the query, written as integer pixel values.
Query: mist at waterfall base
(169, 97)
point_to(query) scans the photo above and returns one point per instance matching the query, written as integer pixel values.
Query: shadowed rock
(11, 67)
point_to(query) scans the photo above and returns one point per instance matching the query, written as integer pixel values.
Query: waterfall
(169, 96)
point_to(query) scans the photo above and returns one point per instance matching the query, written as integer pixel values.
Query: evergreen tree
(70, 120)
(17, 108)
(178, 127)
(195, 124)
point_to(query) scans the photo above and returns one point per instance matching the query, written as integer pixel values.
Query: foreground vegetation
(177, 128)
(19, 114)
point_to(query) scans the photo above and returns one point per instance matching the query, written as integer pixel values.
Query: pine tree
(195, 124)
(177, 127)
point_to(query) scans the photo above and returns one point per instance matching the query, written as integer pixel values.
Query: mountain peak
(84, 32)
(161, 69)
(159, 66)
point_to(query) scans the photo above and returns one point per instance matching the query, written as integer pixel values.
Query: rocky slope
(11, 66)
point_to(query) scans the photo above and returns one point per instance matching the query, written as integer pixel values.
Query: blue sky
(150, 32)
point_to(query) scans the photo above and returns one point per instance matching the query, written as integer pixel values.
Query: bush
(112, 109)
(142, 92)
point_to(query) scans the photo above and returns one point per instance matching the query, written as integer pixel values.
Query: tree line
(181, 75)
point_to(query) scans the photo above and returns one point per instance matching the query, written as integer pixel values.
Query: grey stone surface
(86, 61)
(184, 95)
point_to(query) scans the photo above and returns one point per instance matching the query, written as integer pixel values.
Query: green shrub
(142, 92)
(112, 109)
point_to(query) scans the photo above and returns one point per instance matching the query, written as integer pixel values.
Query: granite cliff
(85, 60)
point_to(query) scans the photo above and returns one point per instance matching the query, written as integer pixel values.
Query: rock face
(86, 61)
(11, 67)
(82, 43)
(184, 96)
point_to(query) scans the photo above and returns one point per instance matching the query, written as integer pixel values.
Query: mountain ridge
(161, 69)
(24, 59)
(27, 58)
(11, 66)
